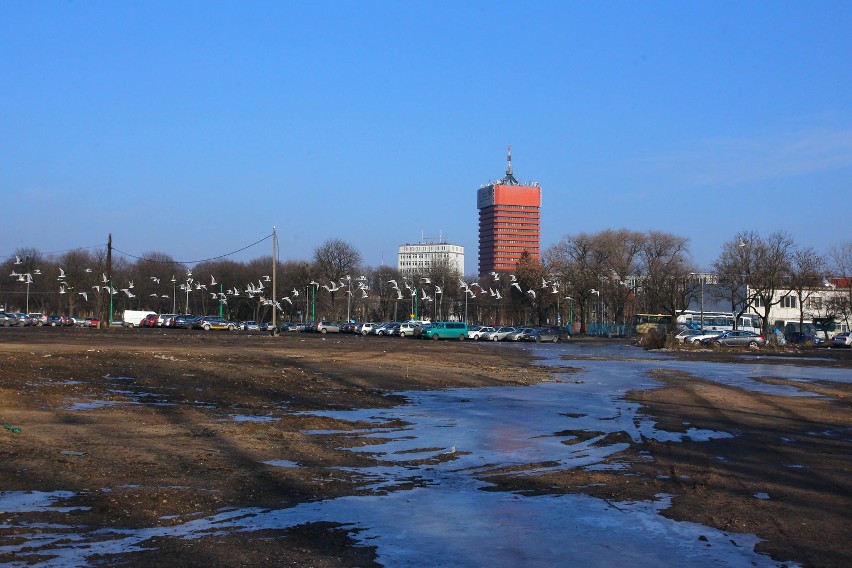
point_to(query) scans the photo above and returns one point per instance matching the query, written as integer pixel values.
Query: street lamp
(701, 277)
(313, 289)
(570, 313)
(29, 280)
(348, 298)
(174, 294)
(598, 294)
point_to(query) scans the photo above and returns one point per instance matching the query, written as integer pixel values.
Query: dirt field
(174, 456)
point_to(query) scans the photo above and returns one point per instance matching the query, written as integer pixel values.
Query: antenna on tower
(509, 179)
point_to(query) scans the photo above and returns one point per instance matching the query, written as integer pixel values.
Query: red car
(93, 322)
(149, 321)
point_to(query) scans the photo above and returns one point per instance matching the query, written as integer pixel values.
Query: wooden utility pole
(274, 282)
(109, 280)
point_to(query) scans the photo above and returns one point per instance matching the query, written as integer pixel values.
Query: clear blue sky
(192, 128)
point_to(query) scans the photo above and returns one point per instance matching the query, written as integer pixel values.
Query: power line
(192, 261)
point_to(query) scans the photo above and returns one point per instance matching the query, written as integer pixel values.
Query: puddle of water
(459, 438)
(282, 463)
(251, 418)
(33, 501)
(91, 405)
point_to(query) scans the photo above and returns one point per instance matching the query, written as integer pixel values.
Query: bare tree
(579, 263)
(334, 260)
(667, 267)
(768, 271)
(841, 268)
(807, 273)
(733, 267)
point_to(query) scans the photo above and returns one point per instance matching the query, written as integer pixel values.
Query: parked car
(166, 320)
(364, 328)
(476, 331)
(185, 321)
(699, 338)
(214, 322)
(445, 330)
(562, 332)
(249, 325)
(7, 320)
(686, 335)
(519, 333)
(842, 340)
(39, 319)
(149, 321)
(736, 338)
(54, 320)
(800, 337)
(393, 329)
(327, 327)
(409, 329)
(383, 328)
(288, 326)
(348, 327)
(549, 334)
(23, 319)
(498, 334)
(92, 322)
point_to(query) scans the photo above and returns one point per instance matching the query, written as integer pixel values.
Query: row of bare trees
(600, 277)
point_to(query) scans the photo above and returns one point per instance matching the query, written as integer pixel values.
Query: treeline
(605, 277)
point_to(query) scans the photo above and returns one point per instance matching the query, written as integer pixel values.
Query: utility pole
(109, 277)
(274, 263)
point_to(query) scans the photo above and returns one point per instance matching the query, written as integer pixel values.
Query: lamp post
(174, 294)
(466, 295)
(348, 298)
(313, 288)
(29, 281)
(701, 277)
(570, 313)
(598, 294)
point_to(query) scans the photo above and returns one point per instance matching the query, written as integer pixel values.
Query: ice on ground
(444, 455)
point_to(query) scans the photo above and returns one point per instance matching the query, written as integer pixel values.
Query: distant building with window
(422, 256)
(509, 222)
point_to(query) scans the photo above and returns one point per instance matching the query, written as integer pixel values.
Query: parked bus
(643, 323)
(719, 321)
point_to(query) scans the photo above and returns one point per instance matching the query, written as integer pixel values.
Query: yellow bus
(643, 323)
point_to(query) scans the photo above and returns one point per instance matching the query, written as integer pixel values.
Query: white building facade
(422, 256)
(786, 309)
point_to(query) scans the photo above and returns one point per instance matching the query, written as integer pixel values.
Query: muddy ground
(178, 454)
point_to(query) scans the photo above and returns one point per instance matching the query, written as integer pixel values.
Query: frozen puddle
(444, 455)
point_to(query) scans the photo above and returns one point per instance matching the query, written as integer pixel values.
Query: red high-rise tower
(509, 222)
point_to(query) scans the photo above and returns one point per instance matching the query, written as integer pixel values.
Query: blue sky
(192, 128)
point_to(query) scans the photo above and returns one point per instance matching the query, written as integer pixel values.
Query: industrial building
(509, 222)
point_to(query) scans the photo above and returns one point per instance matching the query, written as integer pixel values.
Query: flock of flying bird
(258, 289)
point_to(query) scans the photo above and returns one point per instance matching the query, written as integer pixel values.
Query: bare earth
(177, 457)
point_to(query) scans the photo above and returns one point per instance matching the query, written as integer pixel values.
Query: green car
(445, 330)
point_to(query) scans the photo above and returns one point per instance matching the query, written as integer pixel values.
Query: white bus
(718, 321)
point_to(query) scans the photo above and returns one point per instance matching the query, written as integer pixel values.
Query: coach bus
(718, 321)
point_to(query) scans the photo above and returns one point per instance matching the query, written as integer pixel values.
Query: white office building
(422, 256)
